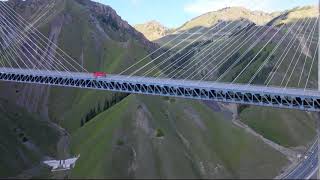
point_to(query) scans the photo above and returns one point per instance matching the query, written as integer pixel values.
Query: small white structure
(62, 165)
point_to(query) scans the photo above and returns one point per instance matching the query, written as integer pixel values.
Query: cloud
(203, 6)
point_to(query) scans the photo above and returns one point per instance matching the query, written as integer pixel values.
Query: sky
(173, 13)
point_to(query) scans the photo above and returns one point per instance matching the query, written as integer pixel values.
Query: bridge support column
(319, 47)
(318, 120)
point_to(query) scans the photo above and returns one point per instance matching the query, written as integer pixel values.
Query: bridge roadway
(306, 100)
(308, 167)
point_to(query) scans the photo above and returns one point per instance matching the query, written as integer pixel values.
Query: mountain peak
(154, 22)
(229, 14)
(297, 13)
(231, 8)
(152, 29)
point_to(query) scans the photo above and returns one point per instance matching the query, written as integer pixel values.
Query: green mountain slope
(138, 136)
(284, 126)
(122, 143)
(228, 14)
(25, 140)
(95, 36)
(300, 13)
(99, 40)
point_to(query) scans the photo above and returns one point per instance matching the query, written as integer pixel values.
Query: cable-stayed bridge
(25, 59)
(223, 92)
(234, 62)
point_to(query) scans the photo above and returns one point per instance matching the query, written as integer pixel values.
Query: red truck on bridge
(99, 74)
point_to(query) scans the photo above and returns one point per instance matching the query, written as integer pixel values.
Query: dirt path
(63, 147)
(289, 153)
(63, 151)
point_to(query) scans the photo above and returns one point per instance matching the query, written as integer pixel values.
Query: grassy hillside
(110, 50)
(196, 142)
(142, 136)
(127, 140)
(286, 127)
(99, 40)
(80, 37)
(25, 140)
(283, 126)
(228, 14)
(302, 12)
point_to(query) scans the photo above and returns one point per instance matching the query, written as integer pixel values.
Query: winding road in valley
(308, 167)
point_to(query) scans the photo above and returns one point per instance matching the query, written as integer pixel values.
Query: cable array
(279, 54)
(276, 54)
(23, 46)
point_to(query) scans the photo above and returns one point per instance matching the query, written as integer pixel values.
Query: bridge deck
(235, 93)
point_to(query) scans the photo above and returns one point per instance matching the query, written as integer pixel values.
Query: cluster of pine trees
(108, 103)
